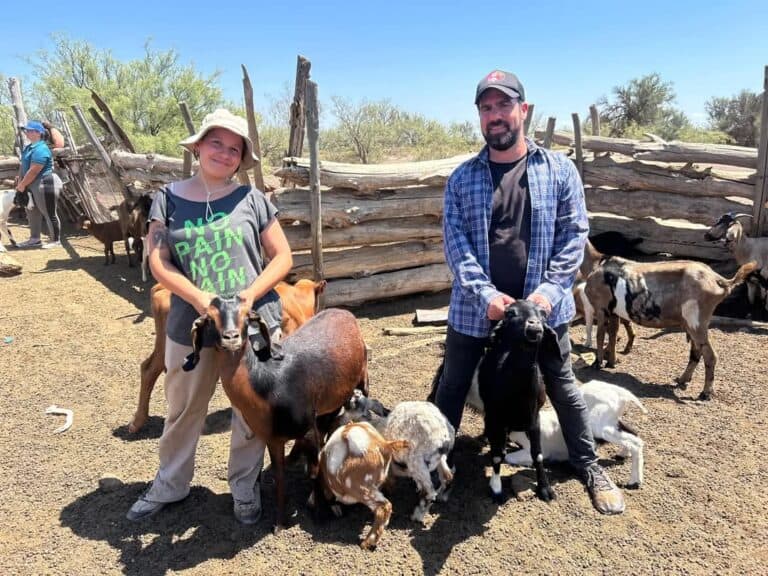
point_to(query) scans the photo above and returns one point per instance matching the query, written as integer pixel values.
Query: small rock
(109, 483)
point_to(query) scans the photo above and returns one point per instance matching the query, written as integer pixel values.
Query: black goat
(284, 391)
(510, 386)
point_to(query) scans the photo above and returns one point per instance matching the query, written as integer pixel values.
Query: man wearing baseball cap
(38, 178)
(515, 227)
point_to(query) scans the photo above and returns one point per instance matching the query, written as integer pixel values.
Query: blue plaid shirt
(559, 229)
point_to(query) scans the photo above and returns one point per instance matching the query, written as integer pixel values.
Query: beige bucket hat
(222, 118)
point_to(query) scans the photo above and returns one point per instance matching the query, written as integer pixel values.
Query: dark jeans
(462, 355)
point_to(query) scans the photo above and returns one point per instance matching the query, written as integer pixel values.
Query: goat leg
(151, 368)
(599, 340)
(693, 361)
(613, 332)
(382, 511)
(630, 336)
(543, 488)
(497, 438)
(277, 456)
(710, 359)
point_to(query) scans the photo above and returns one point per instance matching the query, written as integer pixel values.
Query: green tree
(365, 129)
(644, 103)
(737, 116)
(143, 94)
(7, 119)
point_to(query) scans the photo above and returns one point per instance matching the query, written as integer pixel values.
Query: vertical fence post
(577, 144)
(549, 134)
(316, 214)
(253, 130)
(187, 166)
(528, 119)
(595, 120)
(759, 208)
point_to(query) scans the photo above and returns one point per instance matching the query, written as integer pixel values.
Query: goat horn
(742, 215)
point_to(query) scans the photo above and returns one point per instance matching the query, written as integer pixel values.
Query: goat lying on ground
(107, 233)
(661, 295)
(606, 405)
(299, 303)
(354, 463)
(282, 395)
(510, 387)
(744, 249)
(430, 437)
(6, 205)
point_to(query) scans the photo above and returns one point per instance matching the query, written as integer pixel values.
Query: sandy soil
(73, 332)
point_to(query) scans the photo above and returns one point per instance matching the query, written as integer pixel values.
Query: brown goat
(107, 233)
(299, 302)
(283, 395)
(133, 218)
(354, 464)
(672, 294)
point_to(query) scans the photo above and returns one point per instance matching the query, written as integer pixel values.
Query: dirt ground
(73, 332)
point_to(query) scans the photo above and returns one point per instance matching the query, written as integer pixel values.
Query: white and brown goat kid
(676, 294)
(354, 463)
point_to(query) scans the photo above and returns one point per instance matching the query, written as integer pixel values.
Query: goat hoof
(596, 365)
(705, 396)
(610, 364)
(497, 498)
(682, 384)
(546, 494)
(632, 486)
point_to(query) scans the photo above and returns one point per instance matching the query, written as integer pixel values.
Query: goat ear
(198, 329)
(550, 343)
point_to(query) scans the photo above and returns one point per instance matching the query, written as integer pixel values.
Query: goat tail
(741, 275)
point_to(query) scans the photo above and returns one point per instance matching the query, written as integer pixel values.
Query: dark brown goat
(299, 303)
(282, 395)
(133, 217)
(107, 233)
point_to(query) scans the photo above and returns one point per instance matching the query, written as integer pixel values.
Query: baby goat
(107, 233)
(606, 405)
(744, 249)
(354, 463)
(282, 392)
(510, 386)
(431, 439)
(671, 294)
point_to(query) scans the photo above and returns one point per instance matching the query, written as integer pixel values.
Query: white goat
(606, 405)
(430, 437)
(744, 249)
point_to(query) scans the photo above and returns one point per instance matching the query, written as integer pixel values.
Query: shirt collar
(483, 155)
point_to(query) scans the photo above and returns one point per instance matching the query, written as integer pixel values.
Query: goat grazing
(6, 205)
(107, 233)
(354, 463)
(511, 389)
(282, 392)
(744, 249)
(671, 294)
(606, 405)
(431, 438)
(299, 303)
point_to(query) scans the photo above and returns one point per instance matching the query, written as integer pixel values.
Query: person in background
(38, 178)
(53, 136)
(206, 236)
(515, 227)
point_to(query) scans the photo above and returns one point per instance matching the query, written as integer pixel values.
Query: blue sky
(427, 57)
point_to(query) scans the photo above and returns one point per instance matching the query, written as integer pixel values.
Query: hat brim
(249, 158)
(512, 93)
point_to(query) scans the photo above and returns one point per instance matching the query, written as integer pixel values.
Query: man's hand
(498, 305)
(202, 302)
(541, 301)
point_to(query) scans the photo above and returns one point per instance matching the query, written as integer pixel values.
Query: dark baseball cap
(504, 81)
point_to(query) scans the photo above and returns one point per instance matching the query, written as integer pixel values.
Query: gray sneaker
(249, 512)
(30, 243)
(49, 245)
(144, 508)
(606, 497)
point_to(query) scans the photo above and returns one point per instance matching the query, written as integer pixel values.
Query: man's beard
(501, 140)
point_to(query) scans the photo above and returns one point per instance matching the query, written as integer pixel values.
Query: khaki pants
(188, 395)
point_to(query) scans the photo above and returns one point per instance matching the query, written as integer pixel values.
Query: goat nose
(230, 335)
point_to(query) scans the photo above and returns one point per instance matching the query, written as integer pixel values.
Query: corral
(75, 331)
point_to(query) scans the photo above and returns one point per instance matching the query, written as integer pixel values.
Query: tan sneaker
(606, 497)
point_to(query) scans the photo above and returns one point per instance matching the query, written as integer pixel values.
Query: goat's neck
(236, 373)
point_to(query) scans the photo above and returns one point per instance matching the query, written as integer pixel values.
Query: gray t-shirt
(222, 256)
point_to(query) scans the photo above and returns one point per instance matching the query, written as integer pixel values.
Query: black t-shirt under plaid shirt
(509, 234)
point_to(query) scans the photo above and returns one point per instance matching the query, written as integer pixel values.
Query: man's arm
(571, 230)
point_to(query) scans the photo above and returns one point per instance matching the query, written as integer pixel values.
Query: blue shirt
(559, 228)
(37, 153)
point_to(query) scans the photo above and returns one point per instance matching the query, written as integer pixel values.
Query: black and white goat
(511, 389)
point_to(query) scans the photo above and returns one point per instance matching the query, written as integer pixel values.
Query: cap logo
(495, 76)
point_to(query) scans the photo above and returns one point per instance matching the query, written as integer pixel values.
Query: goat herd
(312, 386)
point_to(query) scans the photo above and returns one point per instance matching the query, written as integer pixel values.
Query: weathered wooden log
(634, 175)
(148, 163)
(374, 232)
(642, 203)
(370, 260)
(368, 176)
(342, 208)
(682, 152)
(681, 238)
(433, 278)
